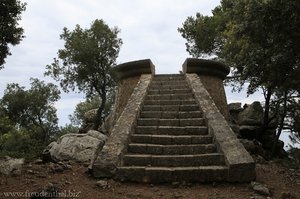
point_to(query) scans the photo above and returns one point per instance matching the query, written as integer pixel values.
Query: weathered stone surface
(260, 188)
(252, 115)
(252, 146)
(109, 158)
(102, 184)
(211, 74)
(78, 147)
(90, 115)
(240, 163)
(10, 165)
(206, 67)
(235, 107)
(134, 68)
(250, 132)
(234, 110)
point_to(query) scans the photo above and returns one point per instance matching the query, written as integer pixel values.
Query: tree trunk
(98, 119)
(281, 123)
(267, 109)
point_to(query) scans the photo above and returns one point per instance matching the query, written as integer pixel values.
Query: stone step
(169, 91)
(168, 87)
(171, 97)
(170, 102)
(171, 122)
(169, 77)
(189, 107)
(172, 130)
(171, 139)
(173, 160)
(168, 82)
(172, 174)
(171, 114)
(171, 149)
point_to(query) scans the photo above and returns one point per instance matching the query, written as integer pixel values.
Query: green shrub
(20, 144)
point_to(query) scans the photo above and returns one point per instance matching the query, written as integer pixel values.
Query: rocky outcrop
(77, 147)
(247, 124)
(10, 165)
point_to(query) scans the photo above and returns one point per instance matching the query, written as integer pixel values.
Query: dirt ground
(69, 180)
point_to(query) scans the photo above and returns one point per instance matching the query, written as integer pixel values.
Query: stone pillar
(212, 74)
(127, 76)
(134, 79)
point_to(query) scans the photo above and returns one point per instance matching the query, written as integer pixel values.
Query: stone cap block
(134, 68)
(205, 67)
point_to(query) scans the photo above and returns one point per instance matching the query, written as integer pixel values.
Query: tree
(260, 40)
(86, 61)
(31, 109)
(10, 32)
(77, 118)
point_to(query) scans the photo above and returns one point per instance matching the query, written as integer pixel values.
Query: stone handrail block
(111, 155)
(134, 68)
(240, 163)
(205, 67)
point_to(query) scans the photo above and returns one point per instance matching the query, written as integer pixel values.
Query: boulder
(235, 107)
(234, 110)
(90, 115)
(77, 147)
(250, 132)
(260, 189)
(252, 146)
(251, 115)
(10, 165)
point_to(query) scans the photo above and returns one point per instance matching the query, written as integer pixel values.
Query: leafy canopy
(260, 40)
(10, 32)
(86, 60)
(31, 109)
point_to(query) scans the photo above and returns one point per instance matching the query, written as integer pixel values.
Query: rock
(251, 115)
(102, 184)
(249, 145)
(38, 161)
(50, 191)
(260, 189)
(97, 134)
(10, 165)
(90, 115)
(287, 195)
(235, 107)
(236, 129)
(78, 147)
(250, 132)
(234, 110)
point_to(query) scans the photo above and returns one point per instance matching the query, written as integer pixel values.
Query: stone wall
(111, 155)
(240, 163)
(215, 87)
(127, 76)
(133, 81)
(212, 74)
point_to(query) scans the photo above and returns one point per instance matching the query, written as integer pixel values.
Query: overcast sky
(148, 30)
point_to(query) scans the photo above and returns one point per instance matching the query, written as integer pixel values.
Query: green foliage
(68, 128)
(77, 118)
(81, 108)
(10, 32)
(20, 144)
(31, 109)
(260, 40)
(86, 60)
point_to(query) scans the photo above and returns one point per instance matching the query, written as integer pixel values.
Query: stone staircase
(171, 142)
